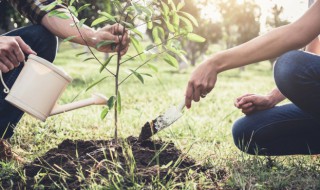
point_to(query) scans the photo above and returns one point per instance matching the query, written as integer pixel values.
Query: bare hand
(201, 82)
(115, 33)
(12, 51)
(250, 103)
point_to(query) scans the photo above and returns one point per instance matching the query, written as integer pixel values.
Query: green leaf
(180, 5)
(109, 16)
(104, 65)
(77, 55)
(195, 37)
(136, 31)
(104, 43)
(81, 22)
(119, 102)
(71, 2)
(117, 5)
(104, 113)
(136, 44)
(142, 9)
(149, 25)
(127, 24)
(83, 7)
(169, 26)
(58, 14)
(90, 58)
(161, 32)
(50, 6)
(190, 17)
(73, 10)
(165, 8)
(154, 68)
(183, 58)
(138, 75)
(146, 74)
(176, 20)
(155, 35)
(171, 60)
(68, 38)
(173, 6)
(111, 101)
(149, 47)
(95, 83)
(187, 23)
(99, 21)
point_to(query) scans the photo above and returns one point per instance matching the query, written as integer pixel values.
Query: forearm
(314, 46)
(275, 96)
(270, 45)
(65, 28)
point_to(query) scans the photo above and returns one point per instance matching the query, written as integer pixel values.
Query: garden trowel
(161, 122)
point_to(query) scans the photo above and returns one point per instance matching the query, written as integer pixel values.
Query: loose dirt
(75, 164)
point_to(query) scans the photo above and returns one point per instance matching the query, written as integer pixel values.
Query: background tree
(275, 21)
(207, 28)
(10, 18)
(240, 21)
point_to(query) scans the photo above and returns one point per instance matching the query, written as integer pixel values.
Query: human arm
(38, 13)
(264, 47)
(64, 28)
(314, 46)
(12, 51)
(250, 103)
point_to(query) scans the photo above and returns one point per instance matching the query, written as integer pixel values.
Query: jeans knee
(42, 41)
(287, 71)
(47, 42)
(242, 136)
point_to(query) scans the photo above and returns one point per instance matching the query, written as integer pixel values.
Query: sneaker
(6, 154)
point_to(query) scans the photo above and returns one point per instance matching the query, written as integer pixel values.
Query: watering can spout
(96, 99)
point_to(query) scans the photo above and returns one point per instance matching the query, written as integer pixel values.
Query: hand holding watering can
(39, 86)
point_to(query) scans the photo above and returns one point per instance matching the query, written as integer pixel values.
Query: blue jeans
(292, 128)
(45, 45)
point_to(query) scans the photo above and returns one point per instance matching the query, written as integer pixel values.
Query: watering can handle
(6, 89)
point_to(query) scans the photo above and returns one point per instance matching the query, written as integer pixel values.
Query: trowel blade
(161, 122)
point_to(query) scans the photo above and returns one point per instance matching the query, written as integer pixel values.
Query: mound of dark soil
(75, 164)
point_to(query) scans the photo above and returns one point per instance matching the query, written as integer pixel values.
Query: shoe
(6, 154)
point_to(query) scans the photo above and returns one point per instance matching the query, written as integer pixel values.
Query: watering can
(39, 86)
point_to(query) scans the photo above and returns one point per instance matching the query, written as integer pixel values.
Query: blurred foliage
(10, 18)
(275, 21)
(204, 27)
(240, 21)
(207, 28)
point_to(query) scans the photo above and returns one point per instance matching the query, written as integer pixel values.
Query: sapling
(168, 25)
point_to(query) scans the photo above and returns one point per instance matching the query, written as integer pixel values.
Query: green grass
(204, 132)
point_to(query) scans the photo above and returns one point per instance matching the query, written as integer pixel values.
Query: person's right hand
(12, 49)
(250, 103)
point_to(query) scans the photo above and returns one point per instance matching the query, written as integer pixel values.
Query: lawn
(203, 132)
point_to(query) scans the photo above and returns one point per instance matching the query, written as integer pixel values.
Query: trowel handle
(6, 89)
(181, 105)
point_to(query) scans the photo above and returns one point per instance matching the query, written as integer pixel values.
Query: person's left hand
(115, 33)
(201, 82)
(250, 103)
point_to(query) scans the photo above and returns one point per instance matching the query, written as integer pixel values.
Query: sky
(293, 9)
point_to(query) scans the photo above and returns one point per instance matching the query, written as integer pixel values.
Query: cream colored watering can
(39, 86)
